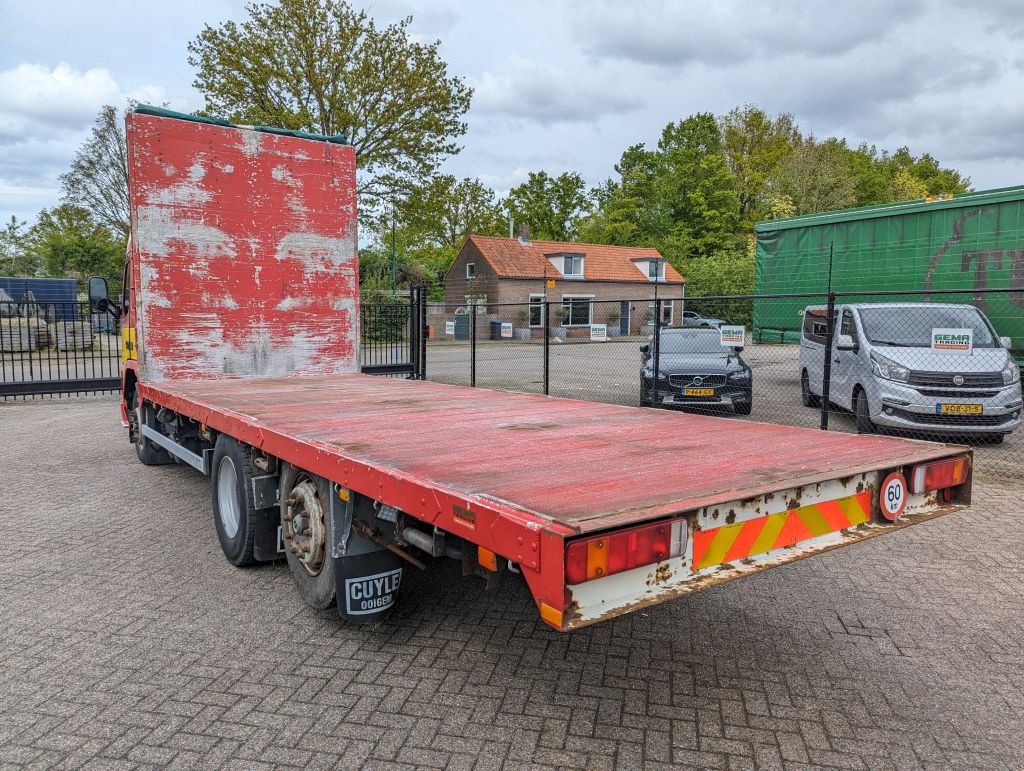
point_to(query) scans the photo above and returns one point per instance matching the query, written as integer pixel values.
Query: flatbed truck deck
(240, 321)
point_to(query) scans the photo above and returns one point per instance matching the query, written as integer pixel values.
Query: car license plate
(698, 392)
(959, 409)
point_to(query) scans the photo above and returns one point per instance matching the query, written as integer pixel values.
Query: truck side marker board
(719, 545)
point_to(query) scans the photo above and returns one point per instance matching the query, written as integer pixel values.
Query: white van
(888, 370)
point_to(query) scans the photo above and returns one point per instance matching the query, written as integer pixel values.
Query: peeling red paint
(246, 249)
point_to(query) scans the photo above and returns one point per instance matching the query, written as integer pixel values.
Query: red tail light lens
(621, 550)
(940, 475)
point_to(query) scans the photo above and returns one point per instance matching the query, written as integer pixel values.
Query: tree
(693, 181)
(817, 177)
(16, 258)
(70, 243)
(553, 207)
(754, 145)
(98, 177)
(321, 66)
(444, 210)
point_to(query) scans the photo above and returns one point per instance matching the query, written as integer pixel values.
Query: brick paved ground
(127, 640)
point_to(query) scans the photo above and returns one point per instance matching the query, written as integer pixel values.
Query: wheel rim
(227, 497)
(305, 526)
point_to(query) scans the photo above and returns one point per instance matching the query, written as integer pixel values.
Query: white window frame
(651, 304)
(659, 270)
(590, 308)
(470, 274)
(568, 259)
(533, 302)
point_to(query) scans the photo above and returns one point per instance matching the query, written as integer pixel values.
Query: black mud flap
(367, 585)
(267, 544)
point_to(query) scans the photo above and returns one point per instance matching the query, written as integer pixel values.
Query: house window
(666, 311)
(536, 310)
(656, 270)
(573, 265)
(577, 311)
(470, 270)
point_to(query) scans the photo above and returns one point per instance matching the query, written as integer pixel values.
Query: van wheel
(234, 505)
(808, 399)
(306, 529)
(862, 412)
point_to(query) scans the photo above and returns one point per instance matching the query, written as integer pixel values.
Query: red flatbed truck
(241, 333)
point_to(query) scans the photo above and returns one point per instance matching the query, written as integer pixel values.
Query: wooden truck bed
(583, 466)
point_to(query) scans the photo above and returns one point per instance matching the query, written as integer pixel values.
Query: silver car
(887, 373)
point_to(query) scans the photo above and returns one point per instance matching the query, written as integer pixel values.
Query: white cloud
(538, 91)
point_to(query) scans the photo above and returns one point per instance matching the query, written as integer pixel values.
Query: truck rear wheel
(234, 506)
(306, 527)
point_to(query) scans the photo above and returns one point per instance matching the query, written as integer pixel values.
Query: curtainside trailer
(241, 358)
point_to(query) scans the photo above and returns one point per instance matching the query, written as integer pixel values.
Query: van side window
(848, 327)
(815, 325)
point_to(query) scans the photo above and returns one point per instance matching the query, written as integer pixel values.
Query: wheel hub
(305, 526)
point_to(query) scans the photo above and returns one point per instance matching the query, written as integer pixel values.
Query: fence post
(826, 373)
(414, 325)
(547, 347)
(423, 333)
(656, 373)
(472, 345)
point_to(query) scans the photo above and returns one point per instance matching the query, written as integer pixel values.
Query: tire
(743, 408)
(808, 399)
(234, 508)
(305, 495)
(149, 454)
(862, 413)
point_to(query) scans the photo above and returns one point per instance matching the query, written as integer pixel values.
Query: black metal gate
(393, 338)
(57, 347)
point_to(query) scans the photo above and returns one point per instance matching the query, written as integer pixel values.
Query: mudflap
(267, 545)
(367, 585)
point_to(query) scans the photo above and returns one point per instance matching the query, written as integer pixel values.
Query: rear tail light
(940, 475)
(621, 550)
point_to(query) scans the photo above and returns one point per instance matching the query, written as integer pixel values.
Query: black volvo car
(696, 370)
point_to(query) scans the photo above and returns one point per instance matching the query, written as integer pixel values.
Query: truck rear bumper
(745, 537)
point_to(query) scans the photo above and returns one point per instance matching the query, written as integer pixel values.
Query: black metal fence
(57, 348)
(881, 360)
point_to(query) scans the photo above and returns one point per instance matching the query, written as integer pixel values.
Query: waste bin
(462, 327)
(495, 329)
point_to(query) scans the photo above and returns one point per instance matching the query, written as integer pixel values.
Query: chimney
(524, 234)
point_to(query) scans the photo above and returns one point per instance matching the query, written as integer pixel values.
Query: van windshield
(911, 327)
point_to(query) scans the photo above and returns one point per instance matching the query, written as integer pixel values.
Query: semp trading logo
(371, 594)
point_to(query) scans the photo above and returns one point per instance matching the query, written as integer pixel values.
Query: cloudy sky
(564, 84)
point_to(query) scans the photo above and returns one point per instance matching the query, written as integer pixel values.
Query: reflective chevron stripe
(775, 531)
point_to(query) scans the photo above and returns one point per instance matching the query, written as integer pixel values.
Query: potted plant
(561, 314)
(647, 323)
(522, 332)
(612, 322)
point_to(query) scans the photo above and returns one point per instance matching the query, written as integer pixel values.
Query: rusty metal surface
(582, 465)
(244, 247)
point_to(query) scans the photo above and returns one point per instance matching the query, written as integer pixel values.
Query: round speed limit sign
(893, 496)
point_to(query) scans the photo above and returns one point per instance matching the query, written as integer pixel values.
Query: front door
(624, 309)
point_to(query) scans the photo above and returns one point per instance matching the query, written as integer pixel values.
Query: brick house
(593, 284)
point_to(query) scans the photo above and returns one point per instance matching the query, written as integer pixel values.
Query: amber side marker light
(940, 475)
(621, 550)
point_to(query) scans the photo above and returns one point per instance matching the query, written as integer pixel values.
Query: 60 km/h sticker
(893, 496)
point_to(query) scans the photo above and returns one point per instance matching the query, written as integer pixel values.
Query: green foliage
(16, 256)
(68, 242)
(754, 145)
(321, 66)
(552, 206)
(725, 274)
(98, 177)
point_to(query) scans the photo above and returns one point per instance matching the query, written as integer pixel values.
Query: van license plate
(698, 392)
(959, 409)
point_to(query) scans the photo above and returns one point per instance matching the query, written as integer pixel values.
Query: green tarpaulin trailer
(972, 242)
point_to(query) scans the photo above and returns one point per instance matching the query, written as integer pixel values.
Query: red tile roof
(509, 258)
